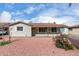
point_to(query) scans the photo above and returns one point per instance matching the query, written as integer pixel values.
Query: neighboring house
(21, 29)
(74, 30)
(4, 28)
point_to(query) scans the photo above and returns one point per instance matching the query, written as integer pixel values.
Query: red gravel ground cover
(34, 46)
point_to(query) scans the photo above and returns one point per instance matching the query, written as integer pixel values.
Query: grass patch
(2, 43)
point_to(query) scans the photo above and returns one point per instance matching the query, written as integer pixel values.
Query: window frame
(54, 30)
(19, 28)
(42, 30)
(70, 29)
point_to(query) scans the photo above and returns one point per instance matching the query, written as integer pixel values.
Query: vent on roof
(54, 22)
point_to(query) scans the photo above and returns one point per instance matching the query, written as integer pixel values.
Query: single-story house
(74, 30)
(21, 29)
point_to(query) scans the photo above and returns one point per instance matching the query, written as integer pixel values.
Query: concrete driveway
(34, 46)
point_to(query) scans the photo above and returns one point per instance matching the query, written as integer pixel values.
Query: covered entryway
(45, 31)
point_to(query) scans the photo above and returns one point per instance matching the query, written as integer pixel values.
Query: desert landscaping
(34, 46)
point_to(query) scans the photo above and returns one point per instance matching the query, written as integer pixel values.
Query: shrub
(59, 45)
(4, 43)
(66, 47)
(69, 47)
(63, 42)
(64, 36)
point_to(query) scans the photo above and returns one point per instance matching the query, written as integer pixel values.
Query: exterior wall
(66, 31)
(74, 31)
(28, 31)
(25, 33)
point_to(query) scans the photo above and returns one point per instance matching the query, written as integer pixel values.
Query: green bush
(69, 47)
(59, 44)
(4, 43)
(66, 47)
(62, 44)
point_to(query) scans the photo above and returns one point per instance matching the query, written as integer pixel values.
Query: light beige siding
(25, 33)
(74, 31)
(66, 31)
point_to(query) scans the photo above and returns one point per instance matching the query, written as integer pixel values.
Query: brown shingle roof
(19, 22)
(33, 24)
(47, 25)
(75, 26)
(4, 25)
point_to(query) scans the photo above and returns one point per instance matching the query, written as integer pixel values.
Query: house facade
(74, 30)
(21, 29)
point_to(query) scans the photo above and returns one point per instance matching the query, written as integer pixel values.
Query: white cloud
(71, 23)
(29, 10)
(76, 12)
(23, 20)
(42, 19)
(50, 13)
(40, 6)
(9, 6)
(70, 20)
(27, 21)
(16, 13)
(50, 16)
(67, 20)
(45, 19)
(5, 17)
(47, 16)
(33, 8)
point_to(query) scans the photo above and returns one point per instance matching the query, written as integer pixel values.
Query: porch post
(49, 31)
(57, 30)
(9, 35)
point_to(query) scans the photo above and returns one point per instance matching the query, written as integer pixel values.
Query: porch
(46, 31)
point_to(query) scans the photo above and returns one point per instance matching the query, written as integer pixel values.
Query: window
(70, 29)
(19, 28)
(44, 30)
(54, 29)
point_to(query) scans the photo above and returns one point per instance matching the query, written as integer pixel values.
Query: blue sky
(40, 12)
